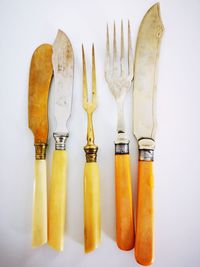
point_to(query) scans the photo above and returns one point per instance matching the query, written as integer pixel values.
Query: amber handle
(144, 244)
(124, 206)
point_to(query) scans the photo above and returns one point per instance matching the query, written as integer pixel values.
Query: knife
(144, 127)
(39, 83)
(63, 66)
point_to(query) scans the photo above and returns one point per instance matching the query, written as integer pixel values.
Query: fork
(119, 81)
(92, 220)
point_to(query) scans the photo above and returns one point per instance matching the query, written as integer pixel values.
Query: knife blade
(39, 84)
(63, 66)
(144, 127)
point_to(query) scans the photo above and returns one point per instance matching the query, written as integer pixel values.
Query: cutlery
(119, 81)
(39, 83)
(92, 220)
(63, 67)
(144, 127)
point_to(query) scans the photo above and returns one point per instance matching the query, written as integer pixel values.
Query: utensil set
(121, 72)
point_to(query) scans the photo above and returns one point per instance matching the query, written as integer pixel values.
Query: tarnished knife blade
(39, 83)
(145, 74)
(63, 66)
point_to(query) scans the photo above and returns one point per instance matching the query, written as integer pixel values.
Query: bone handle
(39, 224)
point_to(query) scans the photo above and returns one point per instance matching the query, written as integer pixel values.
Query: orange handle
(124, 206)
(144, 244)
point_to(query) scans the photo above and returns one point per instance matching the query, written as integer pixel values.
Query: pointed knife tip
(155, 10)
(157, 7)
(60, 34)
(62, 38)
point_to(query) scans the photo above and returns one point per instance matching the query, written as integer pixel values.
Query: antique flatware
(39, 83)
(144, 127)
(92, 220)
(119, 82)
(63, 66)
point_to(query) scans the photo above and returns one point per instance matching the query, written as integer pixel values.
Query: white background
(26, 24)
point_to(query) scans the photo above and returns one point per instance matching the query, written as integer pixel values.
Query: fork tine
(122, 59)
(130, 52)
(93, 77)
(115, 67)
(107, 58)
(85, 93)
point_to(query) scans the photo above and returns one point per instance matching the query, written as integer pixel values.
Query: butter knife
(39, 83)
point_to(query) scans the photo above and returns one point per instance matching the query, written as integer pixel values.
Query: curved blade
(145, 77)
(63, 66)
(39, 83)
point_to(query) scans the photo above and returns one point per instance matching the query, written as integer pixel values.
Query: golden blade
(40, 76)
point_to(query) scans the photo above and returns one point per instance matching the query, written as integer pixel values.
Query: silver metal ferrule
(146, 154)
(60, 140)
(121, 148)
(121, 144)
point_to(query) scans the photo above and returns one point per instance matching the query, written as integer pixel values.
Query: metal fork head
(89, 106)
(118, 79)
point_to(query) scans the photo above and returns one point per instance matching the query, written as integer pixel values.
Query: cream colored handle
(92, 218)
(57, 201)
(39, 225)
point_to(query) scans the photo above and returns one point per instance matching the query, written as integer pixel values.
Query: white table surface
(26, 24)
